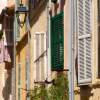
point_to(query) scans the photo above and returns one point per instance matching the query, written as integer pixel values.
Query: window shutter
(84, 41)
(8, 31)
(40, 56)
(57, 42)
(37, 55)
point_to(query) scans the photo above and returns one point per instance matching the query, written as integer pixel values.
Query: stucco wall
(21, 59)
(39, 24)
(92, 91)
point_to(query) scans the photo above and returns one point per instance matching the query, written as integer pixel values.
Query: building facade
(43, 46)
(87, 86)
(35, 53)
(21, 56)
(6, 49)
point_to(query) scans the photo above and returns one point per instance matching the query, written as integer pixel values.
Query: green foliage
(58, 91)
(1, 34)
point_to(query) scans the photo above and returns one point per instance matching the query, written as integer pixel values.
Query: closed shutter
(57, 42)
(37, 55)
(84, 41)
(8, 31)
(40, 56)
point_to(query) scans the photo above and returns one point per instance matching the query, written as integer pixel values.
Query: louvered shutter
(40, 56)
(37, 55)
(84, 41)
(57, 44)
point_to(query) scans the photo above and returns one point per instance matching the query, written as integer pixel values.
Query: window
(40, 56)
(8, 31)
(1, 51)
(57, 42)
(34, 3)
(84, 41)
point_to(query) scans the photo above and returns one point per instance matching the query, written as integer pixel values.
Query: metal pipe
(28, 51)
(14, 55)
(70, 50)
(14, 59)
(49, 41)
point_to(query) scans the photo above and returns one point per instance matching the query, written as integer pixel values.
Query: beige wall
(5, 83)
(1, 80)
(39, 24)
(92, 91)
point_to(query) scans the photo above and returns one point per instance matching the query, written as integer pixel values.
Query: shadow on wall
(6, 92)
(35, 13)
(85, 93)
(56, 6)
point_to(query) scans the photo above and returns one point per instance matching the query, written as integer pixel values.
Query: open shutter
(84, 41)
(57, 44)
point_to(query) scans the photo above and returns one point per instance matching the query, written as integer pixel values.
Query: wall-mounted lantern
(54, 1)
(21, 14)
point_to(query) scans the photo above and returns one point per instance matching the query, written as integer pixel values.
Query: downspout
(70, 49)
(14, 58)
(28, 61)
(14, 55)
(48, 41)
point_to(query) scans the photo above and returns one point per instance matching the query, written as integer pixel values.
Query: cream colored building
(85, 47)
(40, 43)
(6, 42)
(87, 86)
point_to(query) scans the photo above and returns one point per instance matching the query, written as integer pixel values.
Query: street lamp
(21, 14)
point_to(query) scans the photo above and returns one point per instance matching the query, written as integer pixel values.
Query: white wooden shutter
(84, 41)
(40, 56)
(36, 55)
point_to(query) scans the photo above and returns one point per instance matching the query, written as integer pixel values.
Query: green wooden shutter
(57, 42)
(84, 42)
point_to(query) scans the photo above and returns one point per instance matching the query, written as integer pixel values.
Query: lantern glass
(21, 14)
(21, 18)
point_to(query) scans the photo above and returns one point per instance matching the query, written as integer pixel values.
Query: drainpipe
(14, 56)
(49, 42)
(71, 51)
(28, 61)
(14, 61)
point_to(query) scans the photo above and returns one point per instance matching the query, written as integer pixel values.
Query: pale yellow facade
(91, 91)
(39, 24)
(21, 61)
(6, 66)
